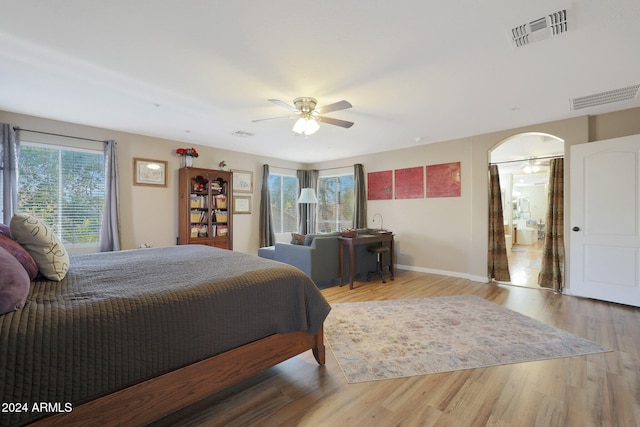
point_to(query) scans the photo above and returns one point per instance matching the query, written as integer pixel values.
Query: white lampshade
(306, 126)
(307, 195)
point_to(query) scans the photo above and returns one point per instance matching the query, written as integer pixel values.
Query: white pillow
(42, 244)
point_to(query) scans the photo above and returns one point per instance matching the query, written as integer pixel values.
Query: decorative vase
(188, 161)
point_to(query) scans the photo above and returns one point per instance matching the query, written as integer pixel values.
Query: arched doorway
(523, 164)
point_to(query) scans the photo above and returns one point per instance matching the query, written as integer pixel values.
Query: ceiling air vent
(242, 134)
(540, 29)
(623, 94)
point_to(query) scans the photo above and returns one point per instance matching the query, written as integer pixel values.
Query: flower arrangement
(222, 164)
(187, 152)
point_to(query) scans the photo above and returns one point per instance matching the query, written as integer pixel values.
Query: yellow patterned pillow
(42, 244)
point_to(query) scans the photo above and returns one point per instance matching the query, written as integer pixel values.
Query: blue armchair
(318, 258)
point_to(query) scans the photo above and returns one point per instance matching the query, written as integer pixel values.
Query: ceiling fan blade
(283, 104)
(337, 122)
(274, 118)
(336, 106)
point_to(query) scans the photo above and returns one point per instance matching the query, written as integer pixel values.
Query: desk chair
(380, 250)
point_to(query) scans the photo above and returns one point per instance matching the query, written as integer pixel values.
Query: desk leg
(392, 260)
(352, 257)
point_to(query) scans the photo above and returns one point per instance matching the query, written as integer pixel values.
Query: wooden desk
(366, 239)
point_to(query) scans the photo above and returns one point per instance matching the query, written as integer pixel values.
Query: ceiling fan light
(306, 126)
(299, 126)
(527, 169)
(312, 126)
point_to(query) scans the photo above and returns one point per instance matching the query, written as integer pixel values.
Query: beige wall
(443, 235)
(430, 234)
(150, 215)
(449, 235)
(614, 125)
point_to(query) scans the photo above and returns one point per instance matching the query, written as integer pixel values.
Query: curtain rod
(528, 158)
(337, 167)
(327, 169)
(56, 134)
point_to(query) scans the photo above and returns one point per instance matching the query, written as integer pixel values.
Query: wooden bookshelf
(205, 216)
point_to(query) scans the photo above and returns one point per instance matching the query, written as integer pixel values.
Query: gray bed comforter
(122, 317)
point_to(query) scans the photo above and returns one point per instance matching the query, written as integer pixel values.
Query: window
(64, 187)
(335, 202)
(283, 190)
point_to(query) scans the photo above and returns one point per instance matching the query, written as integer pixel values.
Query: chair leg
(379, 269)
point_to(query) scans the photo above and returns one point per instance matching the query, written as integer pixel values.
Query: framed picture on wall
(149, 172)
(241, 204)
(242, 181)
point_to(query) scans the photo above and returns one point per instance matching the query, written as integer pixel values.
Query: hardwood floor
(525, 262)
(595, 390)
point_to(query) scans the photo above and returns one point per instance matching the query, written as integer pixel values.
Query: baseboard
(443, 273)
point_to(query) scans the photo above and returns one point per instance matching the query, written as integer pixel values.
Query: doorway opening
(523, 165)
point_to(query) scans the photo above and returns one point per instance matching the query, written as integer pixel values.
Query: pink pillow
(20, 253)
(14, 283)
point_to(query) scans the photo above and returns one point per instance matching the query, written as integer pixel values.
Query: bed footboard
(158, 397)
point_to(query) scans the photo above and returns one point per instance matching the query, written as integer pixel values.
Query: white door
(605, 220)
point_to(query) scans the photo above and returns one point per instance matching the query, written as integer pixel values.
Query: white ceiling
(415, 71)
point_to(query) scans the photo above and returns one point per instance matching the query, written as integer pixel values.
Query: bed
(129, 337)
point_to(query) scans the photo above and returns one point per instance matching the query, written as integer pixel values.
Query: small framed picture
(241, 204)
(149, 172)
(242, 181)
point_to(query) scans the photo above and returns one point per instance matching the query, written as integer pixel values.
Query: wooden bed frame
(158, 397)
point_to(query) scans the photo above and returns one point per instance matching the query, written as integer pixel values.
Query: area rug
(379, 340)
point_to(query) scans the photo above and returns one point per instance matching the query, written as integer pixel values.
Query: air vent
(542, 28)
(623, 94)
(242, 134)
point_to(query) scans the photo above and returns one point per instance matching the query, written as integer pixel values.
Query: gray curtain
(498, 264)
(110, 228)
(9, 165)
(552, 270)
(307, 211)
(360, 199)
(267, 235)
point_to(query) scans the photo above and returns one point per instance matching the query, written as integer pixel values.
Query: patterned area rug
(379, 340)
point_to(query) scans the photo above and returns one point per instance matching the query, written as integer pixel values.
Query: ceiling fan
(304, 109)
(532, 165)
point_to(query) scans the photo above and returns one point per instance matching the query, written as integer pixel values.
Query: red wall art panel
(379, 185)
(409, 183)
(443, 180)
